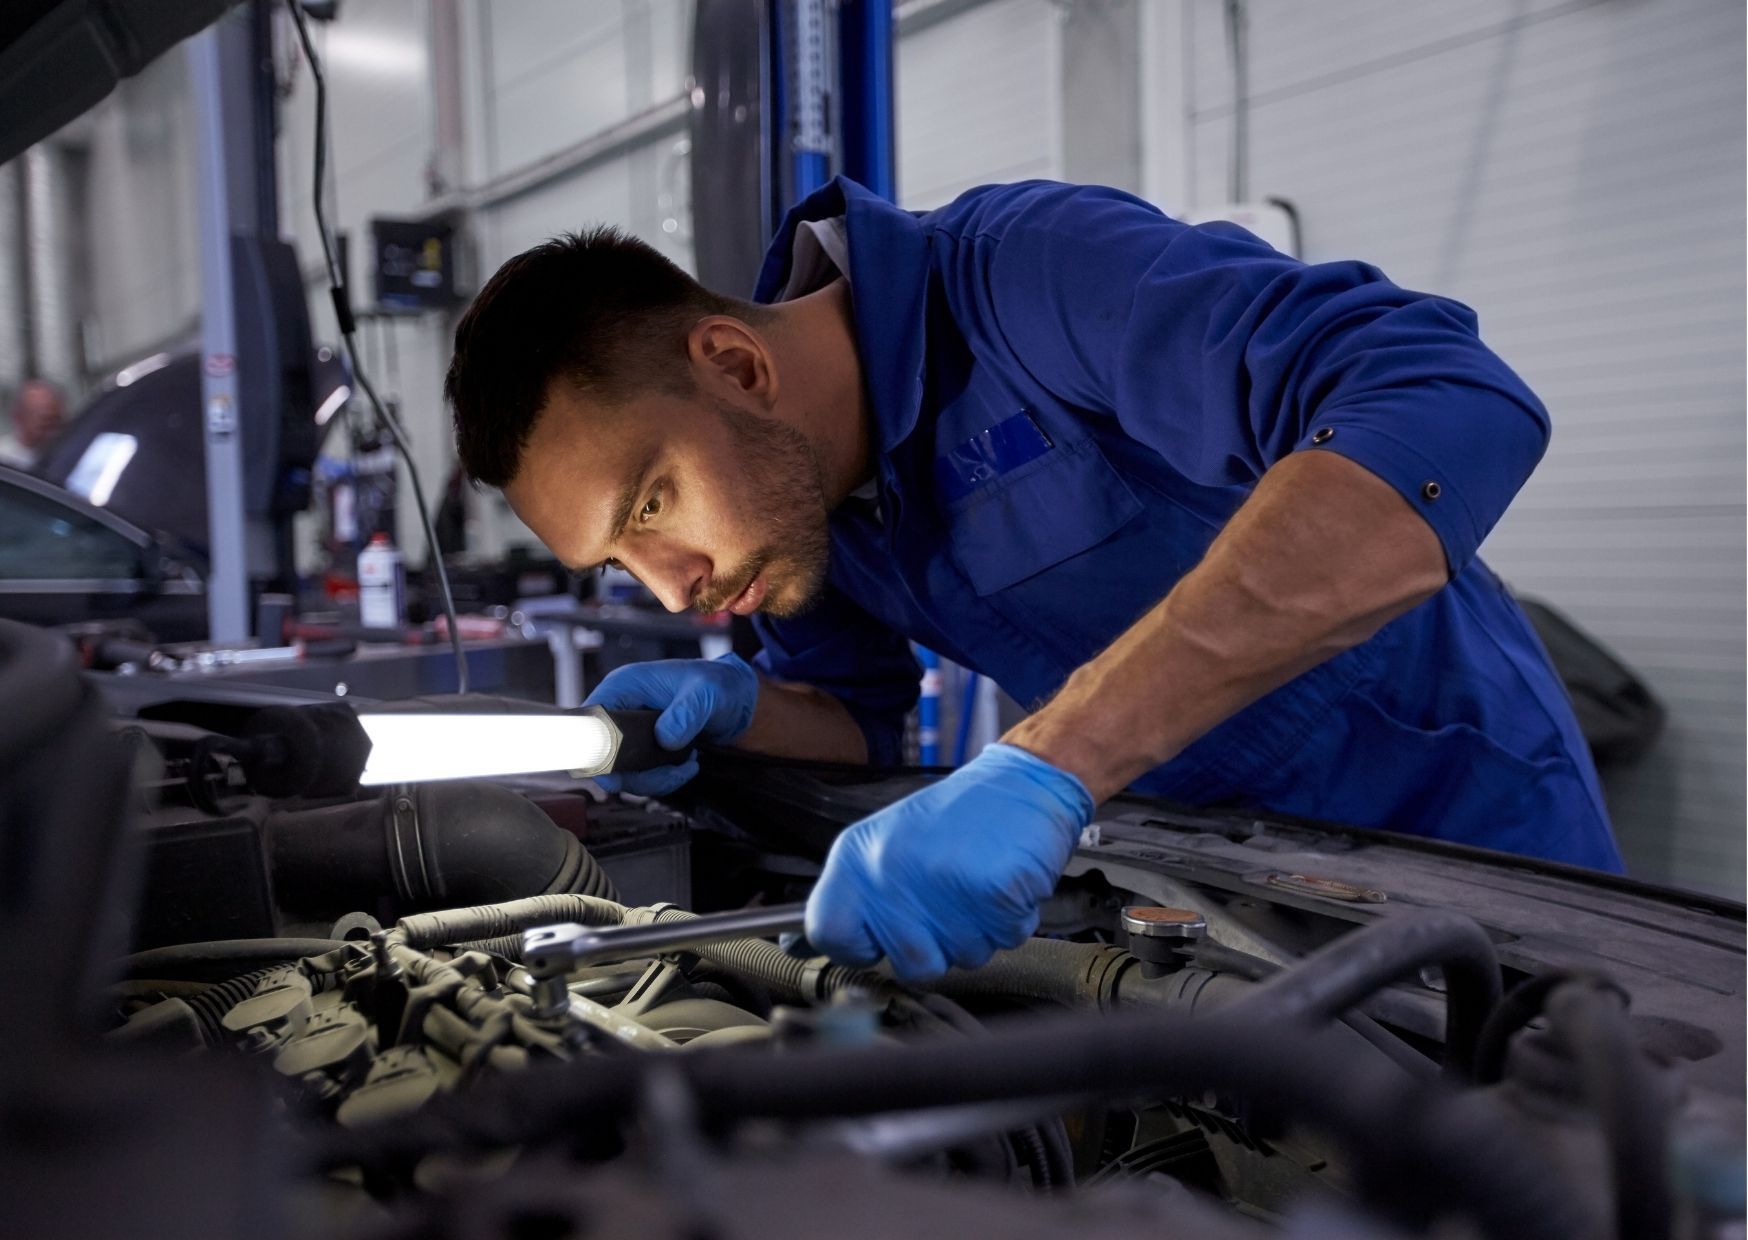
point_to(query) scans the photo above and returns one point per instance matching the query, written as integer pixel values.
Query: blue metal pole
(967, 708)
(865, 86)
(928, 709)
(810, 99)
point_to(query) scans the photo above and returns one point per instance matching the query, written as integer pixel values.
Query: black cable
(349, 342)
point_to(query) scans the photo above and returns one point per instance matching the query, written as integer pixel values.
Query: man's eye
(652, 506)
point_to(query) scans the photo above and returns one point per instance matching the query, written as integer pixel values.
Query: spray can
(382, 584)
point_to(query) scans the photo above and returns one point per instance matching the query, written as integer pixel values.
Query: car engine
(235, 1014)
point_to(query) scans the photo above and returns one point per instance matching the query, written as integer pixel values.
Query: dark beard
(783, 479)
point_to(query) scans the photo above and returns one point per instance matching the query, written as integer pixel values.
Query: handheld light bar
(408, 748)
(329, 750)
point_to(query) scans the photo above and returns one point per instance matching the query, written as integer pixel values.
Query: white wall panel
(143, 261)
(559, 71)
(1573, 171)
(978, 101)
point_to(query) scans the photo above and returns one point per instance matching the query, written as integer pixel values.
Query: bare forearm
(1320, 557)
(800, 721)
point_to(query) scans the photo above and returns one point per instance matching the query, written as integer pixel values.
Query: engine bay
(249, 1015)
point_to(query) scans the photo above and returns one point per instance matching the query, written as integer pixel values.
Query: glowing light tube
(419, 748)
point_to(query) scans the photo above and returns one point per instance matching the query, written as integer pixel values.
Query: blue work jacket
(1072, 393)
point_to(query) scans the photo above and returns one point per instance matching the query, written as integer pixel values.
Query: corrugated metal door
(1574, 171)
(978, 99)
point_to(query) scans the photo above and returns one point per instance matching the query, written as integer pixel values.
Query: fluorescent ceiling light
(418, 748)
(140, 369)
(339, 396)
(376, 52)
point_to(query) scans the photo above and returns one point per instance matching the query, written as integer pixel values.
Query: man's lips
(747, 601)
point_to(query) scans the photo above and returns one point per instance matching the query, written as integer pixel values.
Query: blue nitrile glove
(700, 700)
(952, 873)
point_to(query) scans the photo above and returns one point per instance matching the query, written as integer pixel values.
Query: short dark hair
(602, 311)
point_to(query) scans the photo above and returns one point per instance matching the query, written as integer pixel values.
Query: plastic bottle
(382, 585)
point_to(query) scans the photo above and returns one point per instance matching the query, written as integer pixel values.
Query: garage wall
(549, 75)
(978, 99)
(143, 261)
(1572, 169)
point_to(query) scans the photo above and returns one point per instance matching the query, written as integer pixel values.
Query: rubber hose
(222, 958)
(1211, 955)
(1030, 1146)
(1047, 970)
(1341, 974)
(1631, 1106)
(491, 921)
(1522, 1004)
(437, 845)
(1419, 1147)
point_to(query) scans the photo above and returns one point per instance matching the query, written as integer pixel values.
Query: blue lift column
(832, 87)
(807, 64)
(866, 95)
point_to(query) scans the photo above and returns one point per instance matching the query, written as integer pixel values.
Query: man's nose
(674, 575)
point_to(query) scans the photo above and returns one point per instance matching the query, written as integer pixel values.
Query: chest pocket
(1037, 515)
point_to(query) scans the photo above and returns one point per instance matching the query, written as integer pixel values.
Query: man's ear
(732, 359)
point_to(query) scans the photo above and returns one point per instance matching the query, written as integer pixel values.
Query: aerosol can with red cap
(382, 584)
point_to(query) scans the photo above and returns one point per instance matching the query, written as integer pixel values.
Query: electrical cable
(349, 341)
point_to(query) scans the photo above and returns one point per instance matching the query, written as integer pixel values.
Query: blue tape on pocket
(989, 454)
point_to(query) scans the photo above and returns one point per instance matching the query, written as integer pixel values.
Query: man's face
(38, 415)
(710, 506)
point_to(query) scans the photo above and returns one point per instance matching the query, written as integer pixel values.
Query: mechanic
(38, 412)
(1210, 511)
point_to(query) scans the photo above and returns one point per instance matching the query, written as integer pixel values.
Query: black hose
(440, 845)
(1097, 975)
(1046, 970)
(1341, 974)
(1222, 959)
(1028, 1144)
(1522, 1004)
(221, 959)
(1418, 1148)
(1631, 1104)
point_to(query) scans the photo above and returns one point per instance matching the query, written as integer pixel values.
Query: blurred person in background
(39, 411)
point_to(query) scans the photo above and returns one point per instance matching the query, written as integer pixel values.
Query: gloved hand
(952, 873)
(700, 699)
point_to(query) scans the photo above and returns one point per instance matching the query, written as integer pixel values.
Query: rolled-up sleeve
(1224, 355)
(837, 647)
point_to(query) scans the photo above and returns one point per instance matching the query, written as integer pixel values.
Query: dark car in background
(138, 447)
(65, 560)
